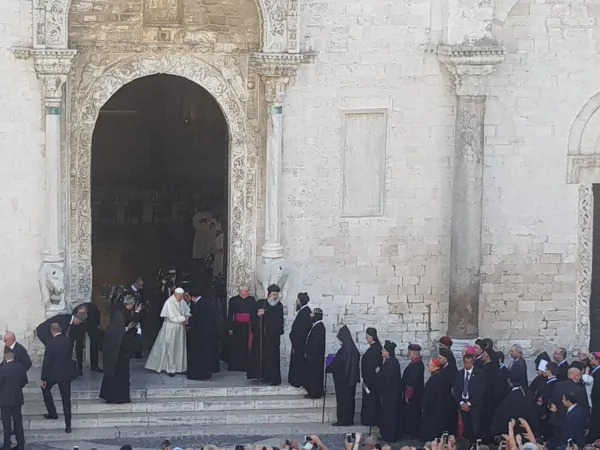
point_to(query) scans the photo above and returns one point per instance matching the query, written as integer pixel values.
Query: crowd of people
(481, 402)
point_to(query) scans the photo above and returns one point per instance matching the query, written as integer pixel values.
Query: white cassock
(169, 353)
(219, 257)
(202, 240)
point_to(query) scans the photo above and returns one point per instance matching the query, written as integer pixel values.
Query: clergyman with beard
(267, 328)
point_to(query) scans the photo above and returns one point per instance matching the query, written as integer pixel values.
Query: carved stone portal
(52, 287)
(100, 84)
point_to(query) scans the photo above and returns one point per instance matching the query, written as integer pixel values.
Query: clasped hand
(261, 312)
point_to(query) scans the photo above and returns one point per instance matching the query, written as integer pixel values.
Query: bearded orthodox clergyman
(267, 328)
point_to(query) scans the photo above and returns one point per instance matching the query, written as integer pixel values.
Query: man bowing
(298, 334)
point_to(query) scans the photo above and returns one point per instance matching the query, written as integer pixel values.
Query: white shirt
(571, 407)
(12, 347)
(562, 362)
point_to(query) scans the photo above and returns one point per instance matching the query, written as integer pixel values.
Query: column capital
(52, 68)
(276, 70)
(470, 65)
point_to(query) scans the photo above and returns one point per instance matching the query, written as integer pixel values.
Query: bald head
(55, 329)
(9, 338)
(574, 374)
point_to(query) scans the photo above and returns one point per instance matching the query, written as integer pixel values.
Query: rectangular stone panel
(163, 12)
(364, 140)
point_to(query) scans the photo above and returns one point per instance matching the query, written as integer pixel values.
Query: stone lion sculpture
(51, 278)
(272, 271)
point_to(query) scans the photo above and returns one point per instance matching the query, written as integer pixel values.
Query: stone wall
(21, 177)
(530, 213)
(389, 271)
(230, 23)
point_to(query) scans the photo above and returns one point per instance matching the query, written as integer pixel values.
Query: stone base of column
(272, 250)
(51, 279)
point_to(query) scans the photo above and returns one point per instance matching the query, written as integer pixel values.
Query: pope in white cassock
(168, 353)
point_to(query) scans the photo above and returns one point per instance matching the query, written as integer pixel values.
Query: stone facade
(488, 114)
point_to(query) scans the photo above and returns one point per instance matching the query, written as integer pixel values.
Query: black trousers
(95, 336)
(65, 394)
(12, 414)
(471, 424)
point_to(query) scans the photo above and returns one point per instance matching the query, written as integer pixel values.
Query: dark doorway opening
(159, 185)
(595, 294)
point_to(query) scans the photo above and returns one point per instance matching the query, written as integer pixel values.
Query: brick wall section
(530, 213)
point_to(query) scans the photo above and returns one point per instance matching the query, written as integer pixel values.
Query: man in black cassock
(449, 370)
(91, 326)
(413, 380)
(469, 392)
(202, 341)
(267, 328)
(388, 383)
(239, 330)
(315, 356)
(346, 375)
(298, 334)
(519, 404)
(119, 344)
(369, 363)
(436, 388)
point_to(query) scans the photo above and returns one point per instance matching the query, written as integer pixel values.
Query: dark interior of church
(159, 162)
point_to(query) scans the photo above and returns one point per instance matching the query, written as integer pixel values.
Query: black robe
(214, 309)
(266, 341)
(450, 406)
(495, 392)
(388, 385)
(239, 344)
(315, 360)
(595, 413)
(433, 423)
(370, 401)
(298, 334)
(118, 347)
(202, 340)
(413, 380)
(518, 404)
(346, 375)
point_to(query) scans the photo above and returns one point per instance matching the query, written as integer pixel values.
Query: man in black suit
(91, 326)
(559, 410)
(19, 352)
(560, 356)
(12, 380)
(574, 421)
(469, 392)
(67, 323)
(58, 368)
(518, 369)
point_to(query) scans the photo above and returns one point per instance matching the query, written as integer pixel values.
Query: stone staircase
(164, 412)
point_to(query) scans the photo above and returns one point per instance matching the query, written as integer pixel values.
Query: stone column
(52, 68)
(276, 71)
(469, 67)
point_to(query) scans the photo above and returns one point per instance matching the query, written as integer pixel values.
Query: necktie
(465, 392)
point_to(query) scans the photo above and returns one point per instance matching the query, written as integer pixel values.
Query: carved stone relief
(50, 21)
(584, 269)
(94, 87)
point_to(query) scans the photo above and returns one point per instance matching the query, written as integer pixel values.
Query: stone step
(32, 393)
(174, 418)
(299, 428)
(236, 403)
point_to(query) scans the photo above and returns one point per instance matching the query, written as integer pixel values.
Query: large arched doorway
(159, 183)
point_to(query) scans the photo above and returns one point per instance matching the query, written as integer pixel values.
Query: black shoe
(50, 417)
(339, 424)
(68, 429)
(97, 370)
(171, 375)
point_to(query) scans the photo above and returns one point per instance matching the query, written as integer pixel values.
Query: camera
(288, 443)
(350, 437)
(167, 443)
(445, 438)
